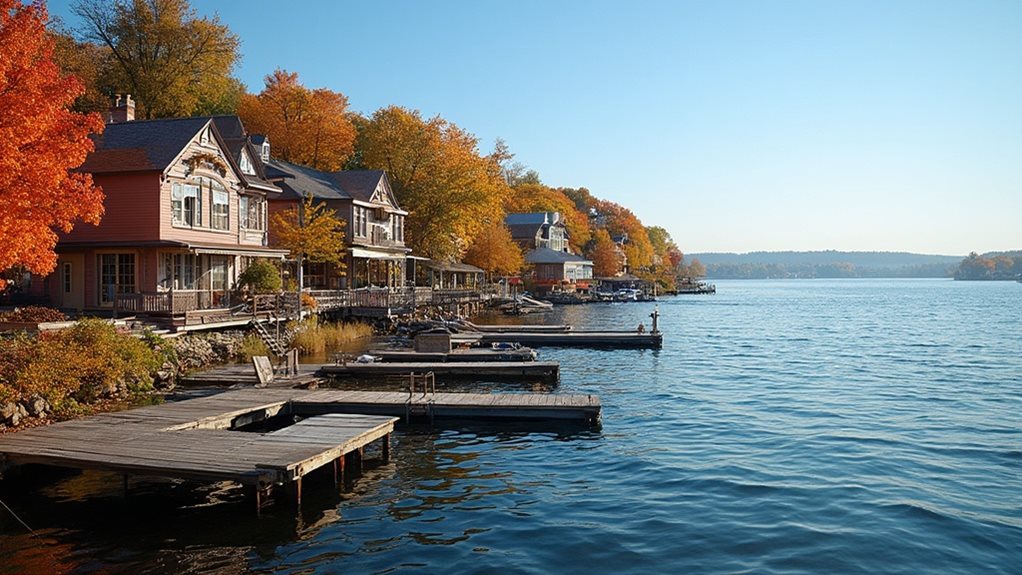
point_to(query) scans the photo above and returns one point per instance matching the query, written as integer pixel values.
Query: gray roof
(143, 145)
(537, 218)
(458, 267)
(359, 184)
(549, 256)
(236, 138)
(524, 231)
(298, 181)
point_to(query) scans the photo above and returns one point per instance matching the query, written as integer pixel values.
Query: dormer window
(266, 151)
(246, 164)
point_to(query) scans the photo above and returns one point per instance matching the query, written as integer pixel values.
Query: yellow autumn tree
(310, 231)
(493, 250)
(603, 254)
(306, 126)
(438, 175)
(175, 62)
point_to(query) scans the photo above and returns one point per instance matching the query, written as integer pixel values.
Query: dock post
(385, 448)
(339, 471)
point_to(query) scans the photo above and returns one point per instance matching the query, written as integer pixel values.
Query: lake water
(852, 426)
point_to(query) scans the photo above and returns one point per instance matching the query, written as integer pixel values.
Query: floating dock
(610, 339)
(528, 328)
(204, 439)
(544, 370)
(457, 355)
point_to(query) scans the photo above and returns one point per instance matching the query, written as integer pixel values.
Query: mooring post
(656, 316)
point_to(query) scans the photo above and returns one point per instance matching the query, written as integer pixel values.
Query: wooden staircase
(271, 341)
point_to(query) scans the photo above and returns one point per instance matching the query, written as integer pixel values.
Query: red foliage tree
(41, 139)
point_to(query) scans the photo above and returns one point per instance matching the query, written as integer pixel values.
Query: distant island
(826, 264)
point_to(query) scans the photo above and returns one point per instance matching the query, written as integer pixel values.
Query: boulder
(36, 406)
(7, 411)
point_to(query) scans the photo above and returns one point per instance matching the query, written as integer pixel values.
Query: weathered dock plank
(546, 370)
(608, 339)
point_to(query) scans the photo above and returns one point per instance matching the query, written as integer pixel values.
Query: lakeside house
(538, 230)
(375, 226)
(185, 212)
(559, 271)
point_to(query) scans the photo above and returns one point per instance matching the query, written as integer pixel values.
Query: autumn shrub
(313, 337)
(33, 314)
(77, 365)
(308, 301)
(250, 347)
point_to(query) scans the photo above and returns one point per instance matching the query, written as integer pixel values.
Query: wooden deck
(601, 339)
(542, 370)
(470, 354)
(199, 439)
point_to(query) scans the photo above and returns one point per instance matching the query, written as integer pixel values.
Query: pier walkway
(205, 439)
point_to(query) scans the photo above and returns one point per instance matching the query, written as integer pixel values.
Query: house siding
(131, 210)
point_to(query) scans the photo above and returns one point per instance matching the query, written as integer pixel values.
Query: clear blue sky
(736, 125)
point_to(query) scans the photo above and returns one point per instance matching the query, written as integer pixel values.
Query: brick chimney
(123, 110)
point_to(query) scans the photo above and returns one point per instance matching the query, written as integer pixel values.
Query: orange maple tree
(305, 126)
(41, 140)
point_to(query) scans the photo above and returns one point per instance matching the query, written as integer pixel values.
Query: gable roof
(524, 231)
(237, 139)
(549, 256)
(298, 181)
(359, 184)
(141, 146)
(538, 218)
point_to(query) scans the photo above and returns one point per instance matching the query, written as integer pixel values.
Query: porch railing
(181, 302)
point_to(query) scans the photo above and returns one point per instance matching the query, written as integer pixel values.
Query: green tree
(261, 276)
(174, 62)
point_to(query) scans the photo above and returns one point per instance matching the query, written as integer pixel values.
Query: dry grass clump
(315, 338)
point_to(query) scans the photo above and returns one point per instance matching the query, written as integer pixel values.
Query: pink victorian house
(186, 211)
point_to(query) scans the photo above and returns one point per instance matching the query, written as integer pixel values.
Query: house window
(218, 273)
(246, 164)
(186, 204)
(360, 221)
(252, 212)
(180, 271)
(364, 222)
(116, 275)
(66, 280)
(221, 219)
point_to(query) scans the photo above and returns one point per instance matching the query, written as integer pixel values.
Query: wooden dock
(474, 354)
(542, 370)
(524, 328)
(198, 439)
(609, 339)
(203, 439)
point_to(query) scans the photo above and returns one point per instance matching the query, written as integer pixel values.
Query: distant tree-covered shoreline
(990, 266)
